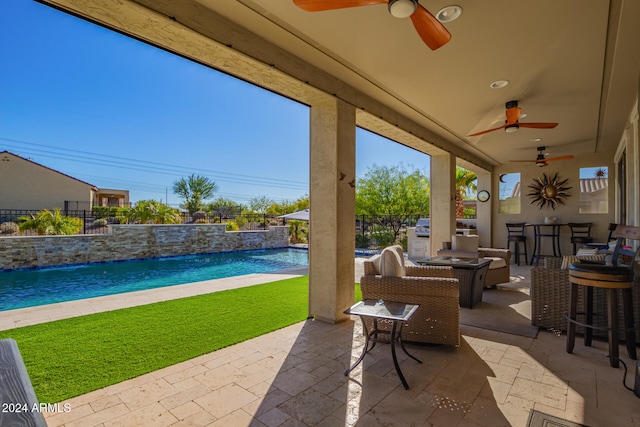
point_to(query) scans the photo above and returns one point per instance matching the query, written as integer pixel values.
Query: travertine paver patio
(294, 377)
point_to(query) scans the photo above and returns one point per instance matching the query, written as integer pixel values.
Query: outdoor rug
(540, 419)
(503, 310)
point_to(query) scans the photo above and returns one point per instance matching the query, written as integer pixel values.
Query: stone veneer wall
(126, 242)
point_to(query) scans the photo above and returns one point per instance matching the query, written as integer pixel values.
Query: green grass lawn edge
(70, 357)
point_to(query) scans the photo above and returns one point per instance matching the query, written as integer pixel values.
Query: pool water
(28, 288)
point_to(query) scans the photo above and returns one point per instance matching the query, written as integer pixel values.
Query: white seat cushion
(587, 251)
(391, 264)
(465, 243)
(496, 262)
(570, 259)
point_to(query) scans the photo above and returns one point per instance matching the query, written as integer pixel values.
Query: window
(509, 197)
(594, 189)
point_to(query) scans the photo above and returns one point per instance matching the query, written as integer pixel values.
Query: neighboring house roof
(587, 185)
(591, 185)
(93, 187)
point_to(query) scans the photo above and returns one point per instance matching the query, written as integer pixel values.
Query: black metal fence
(97, 222)
(372, 231)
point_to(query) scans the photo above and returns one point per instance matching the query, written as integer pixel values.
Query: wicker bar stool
(613, 278)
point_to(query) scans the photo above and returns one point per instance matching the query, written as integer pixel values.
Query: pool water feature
(34, 287)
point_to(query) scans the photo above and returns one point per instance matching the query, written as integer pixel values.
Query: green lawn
(70, 357)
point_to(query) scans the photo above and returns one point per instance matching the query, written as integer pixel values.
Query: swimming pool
(28, 288)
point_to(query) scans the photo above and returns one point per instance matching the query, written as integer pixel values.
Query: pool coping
(11, 319)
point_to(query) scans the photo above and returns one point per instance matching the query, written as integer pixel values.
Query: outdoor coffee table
(470, 272)
(396, 312)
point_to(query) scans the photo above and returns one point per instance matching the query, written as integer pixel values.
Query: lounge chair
(437, 321)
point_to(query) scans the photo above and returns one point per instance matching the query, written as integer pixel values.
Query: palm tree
(194, 190)
(465, 180)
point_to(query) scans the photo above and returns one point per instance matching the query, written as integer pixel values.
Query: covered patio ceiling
(571, 62)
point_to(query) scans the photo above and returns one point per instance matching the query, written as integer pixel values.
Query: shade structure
(302, 215)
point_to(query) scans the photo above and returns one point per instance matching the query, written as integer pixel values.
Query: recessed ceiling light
(523, 115)
(499, 84)
(449, 13)
(535, 139)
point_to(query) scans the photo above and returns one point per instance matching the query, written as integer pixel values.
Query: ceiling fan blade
(538, 125)
(430, 30)
(559, 158)
(322, 5)
(487, 131)
(513, 114)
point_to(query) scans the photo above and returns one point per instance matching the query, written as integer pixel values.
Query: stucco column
(443, 200)
(332, 209)
(483, 211)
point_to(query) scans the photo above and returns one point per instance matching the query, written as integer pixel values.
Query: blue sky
(117, 113)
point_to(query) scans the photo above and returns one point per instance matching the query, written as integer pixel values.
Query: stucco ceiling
(575, 62)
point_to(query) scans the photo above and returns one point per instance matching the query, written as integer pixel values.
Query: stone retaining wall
(126, 242)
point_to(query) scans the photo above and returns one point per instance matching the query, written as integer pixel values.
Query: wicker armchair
(437, 321)
(550, 299)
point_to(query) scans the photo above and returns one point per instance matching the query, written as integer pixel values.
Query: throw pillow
(391, 264)
(399, 251)
(587, 251)
(568, 260)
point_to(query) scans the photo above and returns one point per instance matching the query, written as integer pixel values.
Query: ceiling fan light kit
(402, 8)
(512, 123)
(541, 161)
(430, 30)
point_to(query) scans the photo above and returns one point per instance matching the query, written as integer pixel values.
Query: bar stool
(580, 233)
(613, 278)
(516, 234)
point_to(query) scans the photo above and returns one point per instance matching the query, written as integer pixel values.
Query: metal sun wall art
(549, 191)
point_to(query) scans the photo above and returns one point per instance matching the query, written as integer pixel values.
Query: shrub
(149, 212)
(232, 226)
(404, 242)
(104, 211)
(199, 217)
(241, 221)
(383, 236)
(101, 222)
(362, 241)
(51, 223)
(298, 231)
(9, 228)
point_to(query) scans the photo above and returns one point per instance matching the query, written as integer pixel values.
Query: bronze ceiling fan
(432, 32)
(541, 161)
(512, 124)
